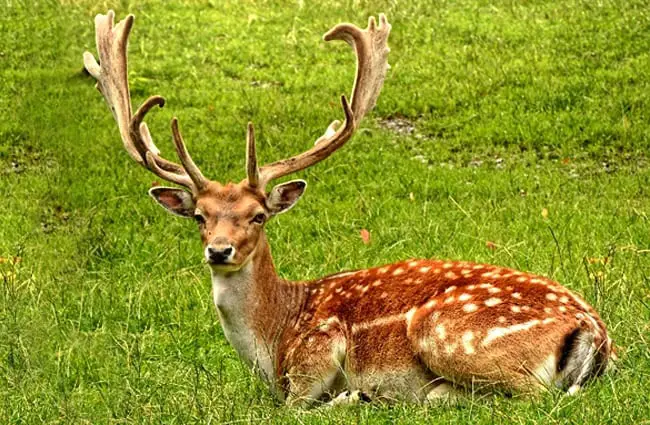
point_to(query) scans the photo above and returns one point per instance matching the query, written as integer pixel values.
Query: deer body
(411, 330)
(415, 330)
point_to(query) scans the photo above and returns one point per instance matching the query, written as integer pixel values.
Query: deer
(419, 330)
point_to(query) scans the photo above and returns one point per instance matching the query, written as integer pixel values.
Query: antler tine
(370, 46)
(112, 82)
(252, 171)
(189, 165)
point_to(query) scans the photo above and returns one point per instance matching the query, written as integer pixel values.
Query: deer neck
(255, 306)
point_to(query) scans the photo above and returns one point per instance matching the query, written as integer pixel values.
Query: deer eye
(259, 219)
(199, 219)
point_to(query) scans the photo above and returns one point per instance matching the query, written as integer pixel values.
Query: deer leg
(315, 366)
(349, 398)
(444, 393)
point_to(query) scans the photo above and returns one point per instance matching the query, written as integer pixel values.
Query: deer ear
(176, 201)
(284, 196)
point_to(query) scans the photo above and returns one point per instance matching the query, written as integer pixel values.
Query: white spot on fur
(470, 308)
(467, 342)
(429, 305)
(471, 287)
(376, 283)
(464, 297)
(551, 296)
(425, 269)
(516, 295)
(451, 275)
(383, 270)
(496, 333)
(564, 299)
(515, 309)
(384, 294)
(413, 263)
(442, 333)
(478, 267)
(491, 302)
(548, 320)
(562, 309)
(494, 290)
(547, 310)
(487, 274)
(398, 271)
(522, 279)
(449, 289)
(447, 265)
(485, 285)
(466, 273)
(449, 300)
(502, 319)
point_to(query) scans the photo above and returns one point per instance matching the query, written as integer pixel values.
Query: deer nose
(219, 254)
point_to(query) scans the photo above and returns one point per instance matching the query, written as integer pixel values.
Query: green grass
(517, 107)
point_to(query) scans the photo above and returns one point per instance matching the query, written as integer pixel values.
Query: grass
(523, 124)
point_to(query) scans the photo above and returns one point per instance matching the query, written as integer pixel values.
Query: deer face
(230, 218)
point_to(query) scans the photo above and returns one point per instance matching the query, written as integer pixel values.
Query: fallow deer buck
(416, 330)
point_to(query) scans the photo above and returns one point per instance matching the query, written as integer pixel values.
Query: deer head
(231, 217)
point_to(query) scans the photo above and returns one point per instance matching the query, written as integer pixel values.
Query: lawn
(508, 132)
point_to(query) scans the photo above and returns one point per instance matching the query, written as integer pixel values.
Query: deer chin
(225, 268)
(231, 267)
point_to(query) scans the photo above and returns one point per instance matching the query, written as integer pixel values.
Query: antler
(113, 83)
(371, 49)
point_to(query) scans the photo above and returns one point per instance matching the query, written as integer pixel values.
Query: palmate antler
(113, 83)
(370, 46)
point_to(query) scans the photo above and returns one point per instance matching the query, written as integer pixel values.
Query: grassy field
(508, 132)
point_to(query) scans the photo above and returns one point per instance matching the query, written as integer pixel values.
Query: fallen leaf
(365, 236)
(490, 245)
(604, 260)
(544, 213)
(411, 196)
(565, 161)
(155, 183)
